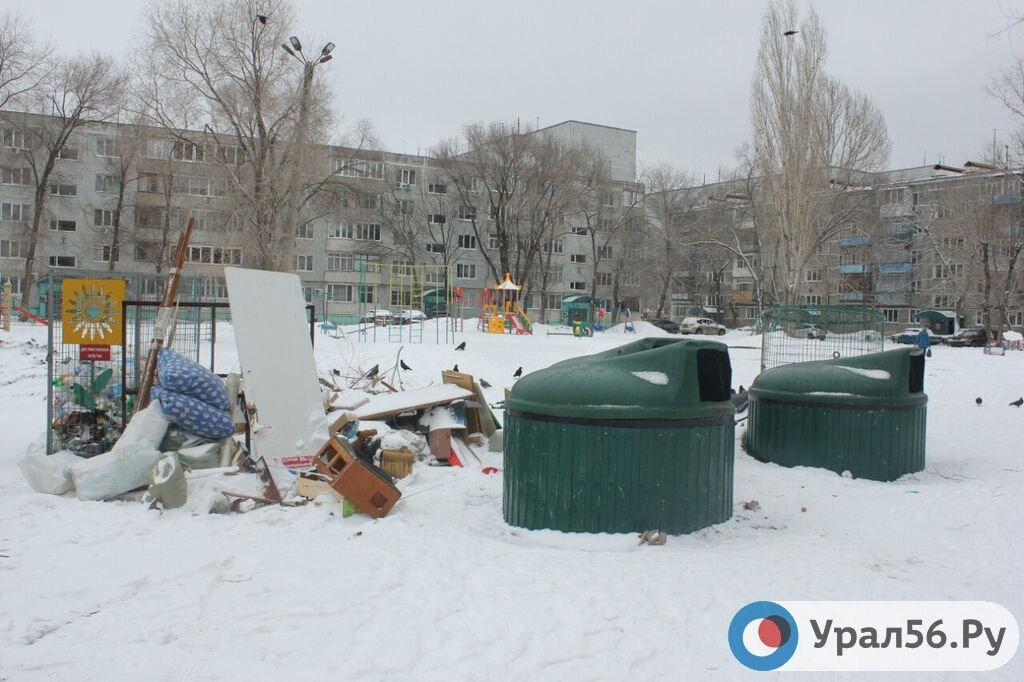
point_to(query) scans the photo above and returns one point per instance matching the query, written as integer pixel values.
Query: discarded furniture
(638, 437)
(864, 414)
(355, 480)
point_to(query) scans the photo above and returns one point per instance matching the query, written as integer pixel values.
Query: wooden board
(279, 373)
(390, 404)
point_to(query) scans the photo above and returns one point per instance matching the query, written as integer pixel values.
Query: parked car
(410, 316)
(974, 336)
(909, 335)
(700, 325)
(666, 324)
(378, 317)
(809, 331)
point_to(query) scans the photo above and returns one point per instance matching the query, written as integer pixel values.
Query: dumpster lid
(652, 378)
(885, 378)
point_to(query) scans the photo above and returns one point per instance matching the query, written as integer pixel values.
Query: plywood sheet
(388, 404)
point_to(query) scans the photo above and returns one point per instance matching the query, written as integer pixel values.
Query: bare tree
(813, 137)
(79, 90)
(670, 203)
(24, 64)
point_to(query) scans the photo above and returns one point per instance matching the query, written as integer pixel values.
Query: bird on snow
(461, 346)
(372, 373)
(455, 368)
(483, 382)
(404, 366)
(1018, 402)
(977, 401)
(518, 373)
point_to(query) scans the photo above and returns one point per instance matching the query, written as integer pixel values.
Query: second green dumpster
(635, 438)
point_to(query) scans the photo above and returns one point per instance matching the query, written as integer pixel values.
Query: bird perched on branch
(483, 382)
(372, 373)
(401, 363)
(1018, 402)
(262, 18)
(461, 346)
(518, 373)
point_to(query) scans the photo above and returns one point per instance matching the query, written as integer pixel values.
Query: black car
(975, 336)
(666, 324)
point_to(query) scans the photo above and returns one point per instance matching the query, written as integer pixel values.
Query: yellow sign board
(91, 311)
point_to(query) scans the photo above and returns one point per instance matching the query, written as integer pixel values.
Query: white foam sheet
(276, 357)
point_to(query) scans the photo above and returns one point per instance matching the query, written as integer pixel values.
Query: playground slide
(524, 321)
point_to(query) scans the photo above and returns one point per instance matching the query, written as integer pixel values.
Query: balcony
(743, 297)
(853, 241)
(892, 298)
(853, 269)
(899, 210)
(851, 296)
(893, 268)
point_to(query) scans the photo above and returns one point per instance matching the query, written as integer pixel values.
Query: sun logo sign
(763, 635)
(91, 311)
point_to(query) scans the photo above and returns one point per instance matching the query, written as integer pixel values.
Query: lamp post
(308, 65)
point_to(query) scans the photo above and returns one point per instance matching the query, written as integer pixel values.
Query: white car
(700, 325)
(378, 317)
(409, 316)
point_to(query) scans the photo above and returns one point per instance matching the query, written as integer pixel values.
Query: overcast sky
(676, 72)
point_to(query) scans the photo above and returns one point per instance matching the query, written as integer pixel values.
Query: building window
(106, 146)
(342, 293)
(304, 231)
(188, 152)
(102, 254)
(436, 219)
(631, 279)
(367, 232)
(604, 252)
(492, 241)
(604, 279)
(10, 248)
(631, 251)
(303, 263)
(103, 217)
(915, 257)
(605, 224)
(105, 183)
(15, 212)
(947, 271)
(63, 225)
(406, 177)
(578, 286)
(465, 271)
(476, 185)
(810, 299)
(554, 246)
(60, 189)
(148, 182)
(147, 251)
(437, 188)
(351, 168)
(68, 153)
(467, 241)
(366, 293)
(15, 176)
(370, 201)
(578, 229)
(467, 212)
(63, 261)
(577, 258)
(405, 207)
(915, 286)
(340, 262)
(215, 255)
(1016, 318)
(339, 231)
(14, 138)
(434, 247)
(812, 276)
(942, 301)
(607, 198)
(891, 314)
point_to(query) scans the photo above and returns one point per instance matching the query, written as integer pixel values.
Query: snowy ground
(443, 589)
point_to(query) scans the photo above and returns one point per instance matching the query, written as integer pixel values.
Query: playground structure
(584, 314)
(425, 287)
(500, 310)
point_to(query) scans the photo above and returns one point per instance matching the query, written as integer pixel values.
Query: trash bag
(195, 416)
(167, 484)
(113, 473)
(181, 375)
(49, 474)
(147, 427)
(203, 456)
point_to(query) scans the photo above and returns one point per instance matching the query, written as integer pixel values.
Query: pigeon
(455, 368)
(404, 366)
(1018, 402)
(372, 373)
(518, 373)
(739, 401)
(977, 401)
(483, 382)
(461, 346)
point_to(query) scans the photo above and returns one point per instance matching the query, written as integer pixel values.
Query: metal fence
(805, 333)
(87, 407)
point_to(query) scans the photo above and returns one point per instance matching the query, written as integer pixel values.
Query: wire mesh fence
(805, 333)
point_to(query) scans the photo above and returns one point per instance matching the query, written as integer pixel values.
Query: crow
(335, 372)
(404, 366)
(977, 401)
(262, 18)
(455, 368)
(461, 346)
(1018, 402)
(483, 382)
(742, 390)
(372, 373)
(518, 373)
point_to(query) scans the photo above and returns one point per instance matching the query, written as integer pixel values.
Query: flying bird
(1018, 402)
(455, 368)
(404, 366)
(977, 401)
(790, 32)
(483, 382)
(461, 346)
(372, 373)
(335, 372)
(262, 18)
(518, 373)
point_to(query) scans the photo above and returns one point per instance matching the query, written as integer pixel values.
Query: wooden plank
(466, 381)
(390, 404)
(271, 332)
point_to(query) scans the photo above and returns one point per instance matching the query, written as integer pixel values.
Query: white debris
(656, 378)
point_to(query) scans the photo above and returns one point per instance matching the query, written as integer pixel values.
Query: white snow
(656, 378)
(829, 393)
(879, 374)
(443, 589)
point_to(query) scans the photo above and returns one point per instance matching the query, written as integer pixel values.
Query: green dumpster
(632, 439)
(864, 414)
